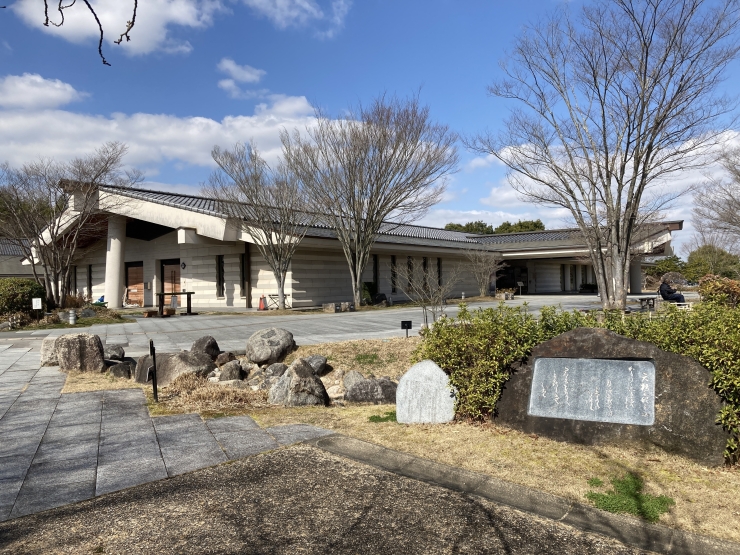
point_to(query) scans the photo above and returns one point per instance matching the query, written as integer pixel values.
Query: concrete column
(636, 277)
(566, 277)
(114, 262)
(579, 272)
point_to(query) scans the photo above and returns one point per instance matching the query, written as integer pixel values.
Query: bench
(658, 299)
(160, 303)
(273, 300)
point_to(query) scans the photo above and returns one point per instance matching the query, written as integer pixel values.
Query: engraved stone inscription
(598, 390)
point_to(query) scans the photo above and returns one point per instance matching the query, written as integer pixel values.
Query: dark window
(425, 271)
(220, 281)
(375, 272)
(243, 275)
(394, 275)
(410, 269)
(439, 272)
(89, 281)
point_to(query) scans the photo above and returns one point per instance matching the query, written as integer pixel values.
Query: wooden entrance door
(135, 282)
(171, 280)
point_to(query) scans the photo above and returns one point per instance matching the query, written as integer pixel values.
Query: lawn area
(706, 499)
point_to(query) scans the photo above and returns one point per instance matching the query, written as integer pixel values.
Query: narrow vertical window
(243, 275)
(220, 282)
(425, 272)
(89, 281)
(439, 272)
(394, 275)
(375, 272)
(410, 268)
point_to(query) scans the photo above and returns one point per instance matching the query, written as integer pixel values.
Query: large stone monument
(424, 395)
(592, 386)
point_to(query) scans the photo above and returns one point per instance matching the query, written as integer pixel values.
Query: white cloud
(480, 162)
(31, 91)
(235, 91)
(300, 13)
(243, 74)
(153, 139)
(154, 19)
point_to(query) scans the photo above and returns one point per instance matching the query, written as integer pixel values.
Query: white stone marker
(424, 395)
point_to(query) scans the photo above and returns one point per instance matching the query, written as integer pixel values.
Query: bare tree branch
(381, 162)
(270, 205)
(484, 265)
(422, 283)
(51, 210)
(608, 107)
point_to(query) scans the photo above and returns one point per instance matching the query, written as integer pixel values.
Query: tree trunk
(280, 279)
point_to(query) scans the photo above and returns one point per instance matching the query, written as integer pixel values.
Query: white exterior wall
(320, 276)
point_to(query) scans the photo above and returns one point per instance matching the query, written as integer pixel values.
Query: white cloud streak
(243, 74)
(31, 91)
(301, 13)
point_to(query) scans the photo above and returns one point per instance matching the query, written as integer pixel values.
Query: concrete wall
(10, 266)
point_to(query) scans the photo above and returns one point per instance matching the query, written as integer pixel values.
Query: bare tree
(270, 205)
(608, 107)
(387, 160)
(484, 264)
(716, 216)
(51, 211)
(426, 287)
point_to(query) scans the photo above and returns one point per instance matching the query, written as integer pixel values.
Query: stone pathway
(58, 449)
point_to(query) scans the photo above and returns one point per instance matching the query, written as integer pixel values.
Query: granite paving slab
(33, 499)
(231, 424)
(118, 475)
(180, 460)
(53, 473)
(245, 443)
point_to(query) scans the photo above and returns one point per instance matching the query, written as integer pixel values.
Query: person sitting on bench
(670, 294)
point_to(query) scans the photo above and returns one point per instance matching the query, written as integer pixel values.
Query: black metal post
(153, 369)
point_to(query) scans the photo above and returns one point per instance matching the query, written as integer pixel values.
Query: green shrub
(627, 497)
(719, 289)
(478, 349)
(16, 295)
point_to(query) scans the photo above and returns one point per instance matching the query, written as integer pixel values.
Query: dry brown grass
(189, 393)
(706, 499)
(380, 357)
(78, 382)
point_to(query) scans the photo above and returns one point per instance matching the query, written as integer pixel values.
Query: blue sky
(203, 72)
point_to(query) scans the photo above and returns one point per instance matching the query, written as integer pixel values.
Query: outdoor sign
(36, 304)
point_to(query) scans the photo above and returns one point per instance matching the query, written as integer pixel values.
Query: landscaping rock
(298, 386)
(685, 406)
(424, 395)
(223, 358)
(49, 352)
(335, 392)
(113, 352)
(318, 363)
(231, 371)
(122, 370)
(169, 366)
(239, 384)
(269, 345)
(351, 378)
(80, 351)
(276, 370)
(379, 391)
(88, 313)
(208, 345)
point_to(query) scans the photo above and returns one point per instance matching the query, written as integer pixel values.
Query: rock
(208, 345)
(88, 313)
(122, 370)
(223, 358)
(685, 407)
(276, 370)
(351, 378)
(298, 386)
(170, 365)
(113, 352)
(318, 363)
(49, 352)
(335, 392)
(80, 351)
(330, 307)
(231, 371)
(424, 395)
(269, 345)
(372, 391)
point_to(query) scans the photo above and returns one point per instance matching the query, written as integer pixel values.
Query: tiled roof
(401, 233)
(9, 248)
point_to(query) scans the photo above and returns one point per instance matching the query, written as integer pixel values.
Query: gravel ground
(293, 500)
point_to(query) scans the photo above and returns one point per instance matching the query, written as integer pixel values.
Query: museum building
(160, 242)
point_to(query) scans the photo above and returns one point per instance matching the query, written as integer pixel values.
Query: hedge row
(479, 348)
(16, 295)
